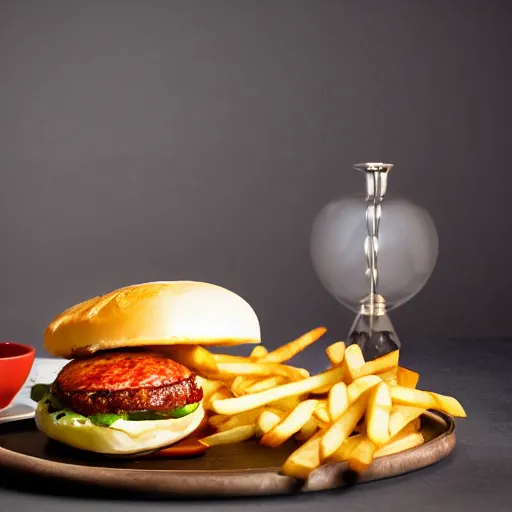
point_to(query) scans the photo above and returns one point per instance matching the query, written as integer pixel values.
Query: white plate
(44, 371)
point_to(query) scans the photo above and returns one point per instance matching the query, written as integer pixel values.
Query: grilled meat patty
(117, 382)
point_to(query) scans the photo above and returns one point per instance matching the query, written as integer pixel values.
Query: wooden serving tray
(244, 469)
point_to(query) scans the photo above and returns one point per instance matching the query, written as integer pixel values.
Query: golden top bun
(158, 313)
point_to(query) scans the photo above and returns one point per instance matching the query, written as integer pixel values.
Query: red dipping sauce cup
(16, 361)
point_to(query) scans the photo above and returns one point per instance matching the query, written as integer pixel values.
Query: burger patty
(121, 382)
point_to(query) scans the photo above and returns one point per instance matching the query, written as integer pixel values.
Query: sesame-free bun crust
(151, 314)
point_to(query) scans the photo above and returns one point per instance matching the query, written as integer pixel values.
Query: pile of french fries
(354, 411)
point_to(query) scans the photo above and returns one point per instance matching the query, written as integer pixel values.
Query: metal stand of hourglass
(372, 329)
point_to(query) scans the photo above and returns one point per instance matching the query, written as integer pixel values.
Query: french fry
(228, 358)
(221, 394)
(407, 378)
(268, 383)
(337, 402)
(243, 418)
(235, 435)
(216, 420)
(353, 361)
(290, 425)
(258, 351)
(194, 357)
(411, 440)
(260, 369)
(343, 452)
(308, 430)
(268, 419)
(402, 415)
(401, 395)
(286, 404)
(303, 461)
(247, 402)
(241, 383)
(389, 377)
(377, 418)
(343, 427)
(210, 387)
(379, 365)
(361, 385)
(290, 350)
(322, 412)
(361, 456)
(335, 353)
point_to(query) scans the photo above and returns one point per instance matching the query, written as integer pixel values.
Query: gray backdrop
(150, 140)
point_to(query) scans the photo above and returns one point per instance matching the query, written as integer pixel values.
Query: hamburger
(121, 393)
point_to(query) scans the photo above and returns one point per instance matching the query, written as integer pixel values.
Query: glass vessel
(373, 253)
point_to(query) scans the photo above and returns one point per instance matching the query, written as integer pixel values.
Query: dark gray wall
(145, 140)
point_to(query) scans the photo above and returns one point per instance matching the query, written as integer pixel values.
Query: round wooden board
(245, 469)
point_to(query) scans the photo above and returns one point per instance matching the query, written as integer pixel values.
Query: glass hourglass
(373, 255)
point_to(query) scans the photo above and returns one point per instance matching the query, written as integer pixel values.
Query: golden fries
(268, 419)
(362, 455)
(337, 402)
(377, 419)
(258, 351)
(286, 352)
(354, 411)
(417, 398)
(235, 435)
(335, 353)
(303, 461)
(194, 357)
(407, 378)
(342, 428)
(352, 361)
(247, 402)
(290, 425)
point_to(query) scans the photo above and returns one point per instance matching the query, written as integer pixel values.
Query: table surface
(475, 477)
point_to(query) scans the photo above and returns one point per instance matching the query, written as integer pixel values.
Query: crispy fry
(243, 418)
(290, 350)
(286, 404)
(379, 365)
(247, 402)
(322, 412)
(260, 369)
(268, 419)
(407, 378)
(303, 461)
(262, 385)
(308, 430)
(228, 358)
(402, 415)
(352, 361)
(362, 455)
(343, 427)
(400, 444)
(241, 383)
(194, 357)
(346, 448)
(401, 395)
(389, 377)
(216, 420)
(290, 425)
(258, 351)
(337, 402)
(235, 435)
(210, 387)
(335, 353)
(361, 385)
(221, 394)
(377, 417)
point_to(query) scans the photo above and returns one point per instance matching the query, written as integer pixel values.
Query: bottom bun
(122, 437)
